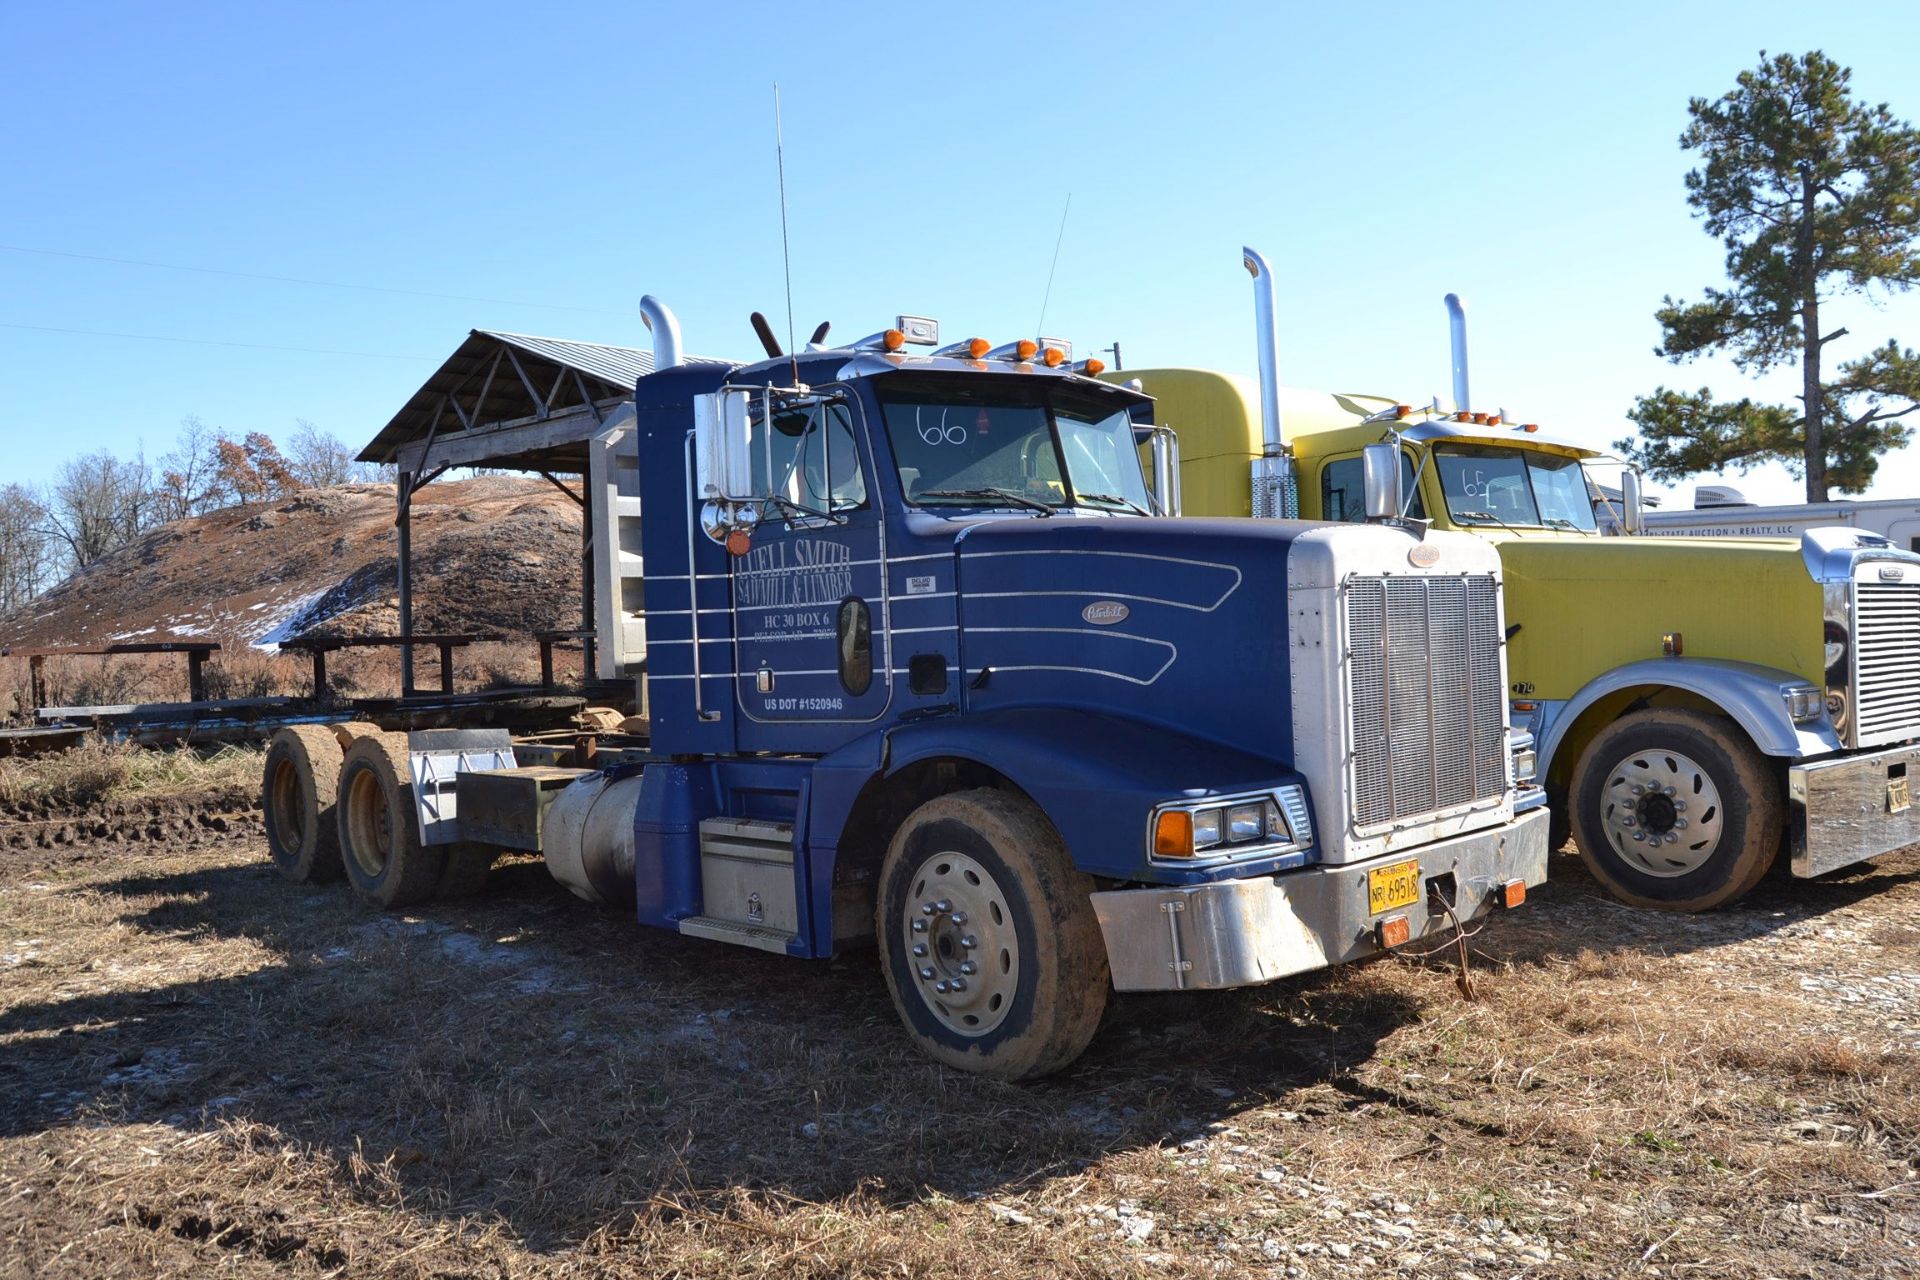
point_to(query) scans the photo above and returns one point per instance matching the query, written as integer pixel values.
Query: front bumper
(1237, 933)
(1853, 807)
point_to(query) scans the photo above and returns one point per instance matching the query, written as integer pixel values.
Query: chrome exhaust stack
(666, 333)
(1275, 495)
(1457, 329)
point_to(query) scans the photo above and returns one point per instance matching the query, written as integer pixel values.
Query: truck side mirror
(1630, 502)
(1380, 469)
(723, 446)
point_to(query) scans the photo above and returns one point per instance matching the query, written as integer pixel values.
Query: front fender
(1746, 691)
(1096, 776)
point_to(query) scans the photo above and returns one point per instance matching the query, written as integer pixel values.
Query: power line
(208, 342)
(324, 284)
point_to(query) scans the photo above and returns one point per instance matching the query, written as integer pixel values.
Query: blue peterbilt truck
(927, 661)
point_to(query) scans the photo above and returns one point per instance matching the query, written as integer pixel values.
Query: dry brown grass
(100, 772)
(205, 1069)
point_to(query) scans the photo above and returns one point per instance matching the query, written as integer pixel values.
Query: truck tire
(1676, 810)
(988, 938)
(298, 786)
(379, 833)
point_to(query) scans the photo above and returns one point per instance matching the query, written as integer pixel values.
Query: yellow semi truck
(1697, 704)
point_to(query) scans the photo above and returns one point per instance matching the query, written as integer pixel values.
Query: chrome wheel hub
(1662, 813)
(960, 943)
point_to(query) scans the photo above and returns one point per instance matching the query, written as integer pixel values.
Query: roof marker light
(1402, 410)
(893, 340)
(1092, 367)
(1024, 349)
(978, 347)
(1493, 419)
(1531, 427)
(1052, 357)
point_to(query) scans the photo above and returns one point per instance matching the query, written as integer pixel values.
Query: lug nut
(926, 973)
(959, 984)
(919, 948)
(943, 986)
(1639, 790)
(927, 908)
(969, 967)
(941, 907)
(919, 926)
(1679, 806)
(959, 918)
(968, 942)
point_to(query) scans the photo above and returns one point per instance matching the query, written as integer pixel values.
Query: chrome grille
(1428, 711)
(1886, 647)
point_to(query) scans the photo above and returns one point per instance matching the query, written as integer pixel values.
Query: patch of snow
(285, 620)
(129, 635)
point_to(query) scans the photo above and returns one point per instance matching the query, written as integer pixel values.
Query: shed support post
(196, 675)
(404, 521)
(587, 569)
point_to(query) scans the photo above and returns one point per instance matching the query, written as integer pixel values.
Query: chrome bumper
(1853, 807)
(1236, 933)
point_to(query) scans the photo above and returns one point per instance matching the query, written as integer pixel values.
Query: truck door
(810, 596)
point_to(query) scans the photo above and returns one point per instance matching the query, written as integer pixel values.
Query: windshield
(1490, 485)
(999, 441)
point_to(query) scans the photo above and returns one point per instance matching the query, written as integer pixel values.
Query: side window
(809, 457)
(1343, 490)
(853, 631)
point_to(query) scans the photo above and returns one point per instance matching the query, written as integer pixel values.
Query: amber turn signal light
(1513, 893)
(1394, 931)
(1173, 834)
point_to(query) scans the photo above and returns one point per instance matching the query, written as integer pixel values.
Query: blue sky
(561, 160)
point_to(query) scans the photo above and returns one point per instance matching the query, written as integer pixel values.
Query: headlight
(1804, 702)
(1242, 825)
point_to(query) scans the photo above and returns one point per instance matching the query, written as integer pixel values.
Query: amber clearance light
(1052, 357)
(1173, 834)
(978, 347)
(893, 340)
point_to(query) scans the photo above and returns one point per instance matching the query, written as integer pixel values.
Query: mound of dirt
(493, 554)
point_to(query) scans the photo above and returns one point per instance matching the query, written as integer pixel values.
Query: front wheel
(1676, 810)
(988, 938)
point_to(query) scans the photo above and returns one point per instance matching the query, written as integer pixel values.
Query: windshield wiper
(1560, 522)
(1128, 503)
(1006, 495)
(1484, 515)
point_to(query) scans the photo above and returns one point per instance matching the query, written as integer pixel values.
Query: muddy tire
(988, 938)
(298, 787)
(1676, 810)
(379, 833)
(465, 874)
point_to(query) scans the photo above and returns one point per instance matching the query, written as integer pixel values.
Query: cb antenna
(1048, 295)
(786, 253)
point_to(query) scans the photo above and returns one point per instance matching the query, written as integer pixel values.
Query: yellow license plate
(1394, 886)
(1899, 795)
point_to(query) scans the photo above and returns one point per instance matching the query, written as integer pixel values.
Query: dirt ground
(204, 1070)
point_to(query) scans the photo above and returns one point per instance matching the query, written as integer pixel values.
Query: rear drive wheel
(297, 791)
(379, 831)
(988, 938)
(1676, 810)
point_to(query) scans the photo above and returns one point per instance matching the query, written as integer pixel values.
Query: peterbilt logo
(1104, 613)
(1423, 555)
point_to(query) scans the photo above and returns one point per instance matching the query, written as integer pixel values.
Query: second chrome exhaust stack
(1275, 494)
(1457, 331)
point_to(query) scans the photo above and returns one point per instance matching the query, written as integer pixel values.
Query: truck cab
(1764, 690)
(924, 668)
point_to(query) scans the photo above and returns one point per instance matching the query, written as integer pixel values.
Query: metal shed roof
(498, 379)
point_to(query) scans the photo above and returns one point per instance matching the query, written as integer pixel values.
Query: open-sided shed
(515, 402)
